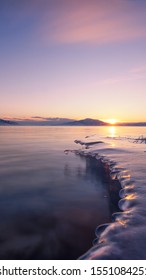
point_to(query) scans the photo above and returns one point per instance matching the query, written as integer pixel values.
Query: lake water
(51, 203)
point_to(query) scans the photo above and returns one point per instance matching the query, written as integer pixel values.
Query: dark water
(50, 203)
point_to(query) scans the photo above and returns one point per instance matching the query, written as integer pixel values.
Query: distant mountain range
(132, 124)
(38, 121)
(7, 122)
(54, 122)
(87, 122)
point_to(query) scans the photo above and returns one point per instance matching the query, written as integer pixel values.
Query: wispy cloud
(141, 70)
(112, 81)
(134, 74)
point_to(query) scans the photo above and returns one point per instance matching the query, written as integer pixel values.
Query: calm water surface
(50, 203)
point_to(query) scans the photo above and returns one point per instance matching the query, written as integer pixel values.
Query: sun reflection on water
(112, 131)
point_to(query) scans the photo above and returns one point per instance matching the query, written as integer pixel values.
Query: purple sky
(75, 59)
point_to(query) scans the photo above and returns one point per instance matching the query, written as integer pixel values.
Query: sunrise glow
(112, 121)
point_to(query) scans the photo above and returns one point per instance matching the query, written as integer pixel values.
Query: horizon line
(49, 119)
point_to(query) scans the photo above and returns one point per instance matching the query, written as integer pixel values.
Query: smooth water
(51, 203)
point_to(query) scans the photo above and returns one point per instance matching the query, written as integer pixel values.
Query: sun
(112, 121)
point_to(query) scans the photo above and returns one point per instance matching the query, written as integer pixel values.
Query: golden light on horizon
(112, 121)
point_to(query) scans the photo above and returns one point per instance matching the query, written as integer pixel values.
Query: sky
(73, 59)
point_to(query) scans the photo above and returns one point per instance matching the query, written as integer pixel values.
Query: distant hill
(87, 122)
(5, 122)
(44, 121)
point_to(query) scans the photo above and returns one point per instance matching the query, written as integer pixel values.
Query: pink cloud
(94, 22)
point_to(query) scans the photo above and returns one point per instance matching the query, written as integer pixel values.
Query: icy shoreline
(123, 238)
(115, 189)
